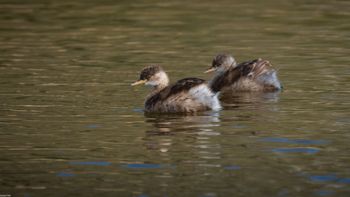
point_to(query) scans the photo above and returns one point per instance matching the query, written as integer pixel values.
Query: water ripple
(90, 163)
(145, 166)
(296, 150)
(65, 174)
(294, 141)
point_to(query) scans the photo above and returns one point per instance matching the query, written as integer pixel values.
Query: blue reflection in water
(65, 174)
(323, 192)
(327, 178)
(144, 166)
(344, 180)
(322, 178)
(294, 141)
(296, 150)
(93, 126)
(233, 167)
(91, 163)
(140, 110)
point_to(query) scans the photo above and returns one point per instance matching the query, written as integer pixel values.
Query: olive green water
(71, 125)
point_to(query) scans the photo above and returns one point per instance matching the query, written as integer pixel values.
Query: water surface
(71, 125)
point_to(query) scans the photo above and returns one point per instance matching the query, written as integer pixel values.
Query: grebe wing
(183, 85)
(254, 68)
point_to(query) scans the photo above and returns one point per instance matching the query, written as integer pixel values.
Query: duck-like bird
(187, 95)
(251, 76)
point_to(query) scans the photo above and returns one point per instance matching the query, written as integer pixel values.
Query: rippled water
(71, 125)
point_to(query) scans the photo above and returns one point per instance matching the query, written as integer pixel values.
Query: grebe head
(153, 76)
(221, 63)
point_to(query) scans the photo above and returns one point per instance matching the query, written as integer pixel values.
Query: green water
(71, 125)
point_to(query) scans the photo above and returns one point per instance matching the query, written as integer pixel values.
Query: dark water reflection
(71, 125)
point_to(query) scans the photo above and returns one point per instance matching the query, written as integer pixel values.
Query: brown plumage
(187, 95)
(180, 88)
(254, 75)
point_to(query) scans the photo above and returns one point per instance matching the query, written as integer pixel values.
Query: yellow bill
(210, 70)
(139, 82)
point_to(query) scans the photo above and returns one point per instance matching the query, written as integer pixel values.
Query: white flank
(202, 94)
(270, 78)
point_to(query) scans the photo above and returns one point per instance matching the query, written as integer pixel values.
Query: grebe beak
(139, 82)
(210, 70)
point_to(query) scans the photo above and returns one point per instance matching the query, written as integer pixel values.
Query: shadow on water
(249, 98)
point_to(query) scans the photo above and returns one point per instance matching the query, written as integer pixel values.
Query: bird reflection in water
(166, 125)
(171, 123)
